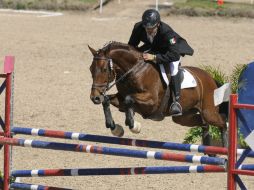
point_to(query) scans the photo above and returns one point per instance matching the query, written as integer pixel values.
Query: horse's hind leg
(193, 119)
(190, 119)
(213, 117)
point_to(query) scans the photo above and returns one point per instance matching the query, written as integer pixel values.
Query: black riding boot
(176, 108)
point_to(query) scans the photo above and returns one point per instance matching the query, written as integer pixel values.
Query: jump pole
(26, 186)
(124, 171)
(113, 151)
(125, 141)
(119, 171)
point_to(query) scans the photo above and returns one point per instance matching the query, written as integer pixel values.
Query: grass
(185, 7)
(49, 4)
(211, 8)
(206, 4)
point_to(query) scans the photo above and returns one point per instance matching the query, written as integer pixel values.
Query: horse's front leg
(134, 126)
(116, 129)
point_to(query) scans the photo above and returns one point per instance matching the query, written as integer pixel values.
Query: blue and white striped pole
(113, 151)
(118, 171)
(125, 141)
(26, 186)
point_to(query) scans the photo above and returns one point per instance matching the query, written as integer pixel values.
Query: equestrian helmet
(150, 18)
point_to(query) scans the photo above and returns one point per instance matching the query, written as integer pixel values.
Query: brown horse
(140, 89)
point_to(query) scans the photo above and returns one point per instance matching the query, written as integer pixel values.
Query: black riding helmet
(150, 18)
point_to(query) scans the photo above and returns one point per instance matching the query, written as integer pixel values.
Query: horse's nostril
(96, 99)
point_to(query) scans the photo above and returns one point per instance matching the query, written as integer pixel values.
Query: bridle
(110, 69)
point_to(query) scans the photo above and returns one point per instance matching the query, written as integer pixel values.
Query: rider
(164, 45)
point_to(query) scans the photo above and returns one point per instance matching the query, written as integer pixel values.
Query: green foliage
(241, 141)
(211, 8)
(215, 132)
(49, 4)
(235, 76)
(195, 134)
(207, 4)
(20, 6)
(216, 73)
(1, 179)
(12, 179)
(87, 1)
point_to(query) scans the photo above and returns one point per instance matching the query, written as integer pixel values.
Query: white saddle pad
(222, 94)
(188, 79)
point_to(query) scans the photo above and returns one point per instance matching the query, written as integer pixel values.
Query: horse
(140, 89)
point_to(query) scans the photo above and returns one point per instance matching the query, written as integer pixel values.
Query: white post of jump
(251, 1)
(101, 3)
(156, 7)
(119, 1)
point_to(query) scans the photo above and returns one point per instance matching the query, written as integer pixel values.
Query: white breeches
(173, 70)
(174, 67)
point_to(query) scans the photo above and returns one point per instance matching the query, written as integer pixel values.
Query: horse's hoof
(137, 127)
(118, 131)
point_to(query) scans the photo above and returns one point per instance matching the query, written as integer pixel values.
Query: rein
(109, 85)
(123, 76)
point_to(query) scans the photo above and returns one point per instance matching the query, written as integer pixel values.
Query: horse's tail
(224, 106)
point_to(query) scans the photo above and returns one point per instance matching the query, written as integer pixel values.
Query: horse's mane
(112, 45)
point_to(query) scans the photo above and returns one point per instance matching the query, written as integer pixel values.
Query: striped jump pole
(126, 141)
(113, 151)
(124, 171)
(246, 167)
(26, 186)
(118, 171)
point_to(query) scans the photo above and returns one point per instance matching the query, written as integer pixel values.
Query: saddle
(187, 81)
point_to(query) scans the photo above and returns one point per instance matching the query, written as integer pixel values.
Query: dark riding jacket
(167, 44)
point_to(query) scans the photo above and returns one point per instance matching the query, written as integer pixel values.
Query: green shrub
(195, 134)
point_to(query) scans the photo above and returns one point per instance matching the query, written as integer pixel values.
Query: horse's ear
(93, 51)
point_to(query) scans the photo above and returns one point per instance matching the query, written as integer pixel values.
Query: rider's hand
(149, 57)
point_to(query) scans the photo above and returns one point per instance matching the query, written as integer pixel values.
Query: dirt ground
(53, 81)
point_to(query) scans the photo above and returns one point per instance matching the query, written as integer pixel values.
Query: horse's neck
(132, 64)
(123, 59)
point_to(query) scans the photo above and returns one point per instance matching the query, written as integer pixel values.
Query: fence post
(8, 69)
(232, 156)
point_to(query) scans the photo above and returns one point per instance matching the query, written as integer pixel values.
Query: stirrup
(175, 109)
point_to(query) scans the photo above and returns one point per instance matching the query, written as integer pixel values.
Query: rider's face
(151, 31)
